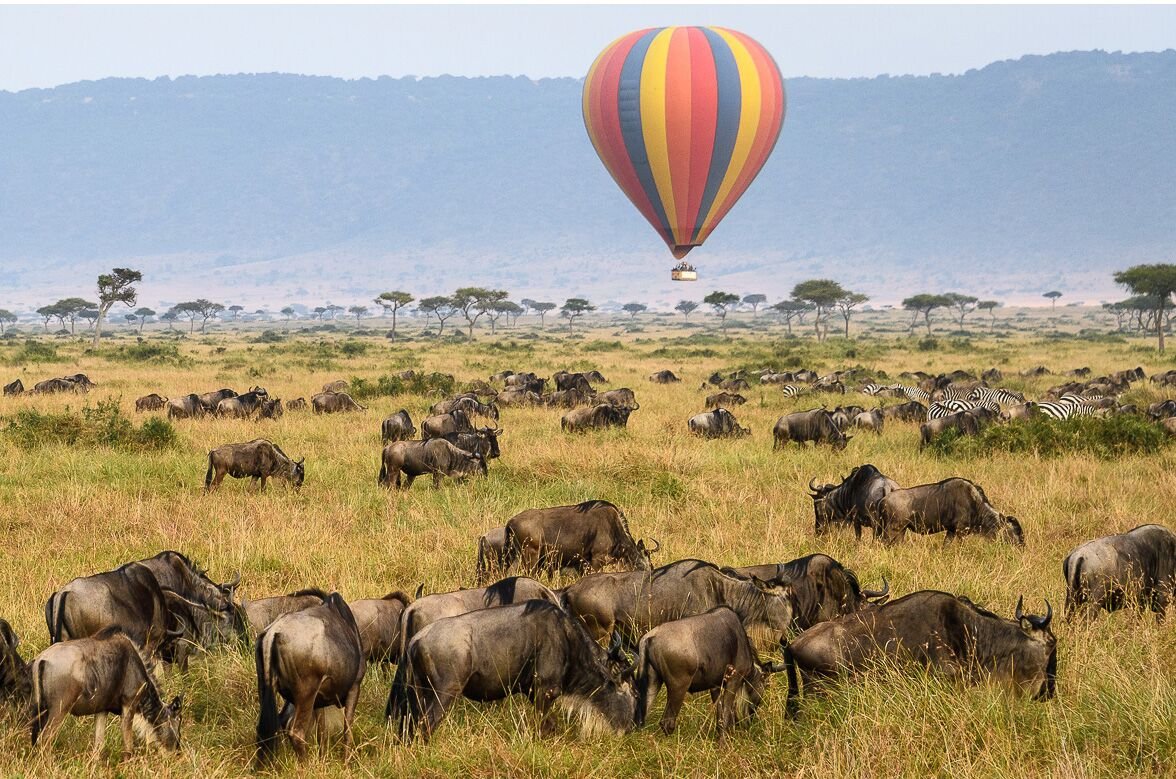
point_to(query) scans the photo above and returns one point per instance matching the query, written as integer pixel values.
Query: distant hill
(1040, 173)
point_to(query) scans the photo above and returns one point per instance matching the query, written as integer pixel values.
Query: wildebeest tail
(790, 703)
(55, 617)
(510, 549)
(267, 722)
(480, 565)
(208, 473)
(39, 708)
(382, 478)
(402, 706)
(644, 685)
(1073, 576)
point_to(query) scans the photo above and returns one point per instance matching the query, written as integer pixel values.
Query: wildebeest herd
(600, 648)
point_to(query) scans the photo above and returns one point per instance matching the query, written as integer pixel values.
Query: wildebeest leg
(300, 724)
(544, 698)
(949, 537)
(348, 716)
(127, 721)
(408, 480)
(437, 703)
(675, 696)
(217, 478)
(99, 732)
(263, 478)
(724, 699)
(436, 480)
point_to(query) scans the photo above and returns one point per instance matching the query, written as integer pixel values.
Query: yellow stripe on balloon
(749, 116)
(653, 120)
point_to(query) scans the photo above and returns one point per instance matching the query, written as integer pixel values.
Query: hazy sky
(46, 46)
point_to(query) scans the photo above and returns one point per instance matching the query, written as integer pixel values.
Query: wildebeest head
(822, 507)
(490, 436)
(296, 473)
(639, 556)
(15, 679)
(1010, 530)
(167, 721)
(1038, 630)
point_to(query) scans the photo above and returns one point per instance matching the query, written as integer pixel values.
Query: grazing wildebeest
(101, 675)
(185, 407)
(725, 399)
(15, 680)
(397, 427)
(569, 398)
(177, 572)
(441, 605)
(519, 397)
(633, 602)
(210, 400)
(663, 377)
(51, 386)
(491, 556)
(719, 423)
(270, 408)
(568, 381)
(871, 420)
(955, 506)
(533, 649)
(992, 375)
(585, 537)
(297, 404)
(258, 459)
(734, 385)
(14, 388)
(527, 382)
(619, 397)
(260, 613)
(440, 425)
(312, 659)
(334, 403)
(597, 417)
(843, 503)
(242, 405)
(1163, 409)
(1136, 568)
(596, 376)
(814, 425)
(378, 620)
(708, 652)
(199, 627)
(940, 631)
(339, 385)
(129, 596)
(482, 442)
(820, 588)
(969, 422)
(467, 403)
(435, 457)
(911, 411)
(1019, 411)
(152, 402)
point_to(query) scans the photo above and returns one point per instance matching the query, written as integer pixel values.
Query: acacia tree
(847, 304)
(573, 309)
(962, 305)
(143, 314)
(633, 309)
(924, 303)
(6, 318)
(47, 313)
(721, 302)
(542, 307)
(236, 311)
(90, 315)
(474, 302)
(499, 309)
(202, 309)
(791, 309)
(69, 309)
(990, 306)
(359, 312)
(823, 294)
(1156, 283)
(439, 306)
(1053, 299)
(392, 302)
(686, 308)
(118, 286)
(170, 316)
(755, 301)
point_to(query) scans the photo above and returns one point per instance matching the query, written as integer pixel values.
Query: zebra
(790, 390)
(945, 408)
(952, 393)
(999, 396)
(1070, 405)
(913, 393)
(870, 388)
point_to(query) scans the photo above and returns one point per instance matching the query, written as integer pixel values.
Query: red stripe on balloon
(704, 100)
(678, 127)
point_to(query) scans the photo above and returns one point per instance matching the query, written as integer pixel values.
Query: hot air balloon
(684, 118)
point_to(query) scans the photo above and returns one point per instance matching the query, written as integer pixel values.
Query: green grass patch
(102, 425)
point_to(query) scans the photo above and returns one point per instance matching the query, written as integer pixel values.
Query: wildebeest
(435, 457)
(585, 537)
(619, 397)
(633, 602)
(1164, 409)
(440, 425)
(519, 397)
(426, 610)
(940, 631)
(201, 609)
(911, 411)
(482, 442)
(258, 459)
(260, 613)
(467, 403)
(1136, 568)
(334, 402)
(596, 417)
(397, 427)
(719, 423)
(242, 405)
(52, 386)
(14, 388)
(185, 407)
(129, 596)
(596, 376)
(869, 420)
(312, 659)
(177, 572)
(814, 425)
(210, 400)
(491, 555)
(15, 680)
(820, 588)
(101, 675)
(1169, 425)
(378, 620)
(708, 652)
(663, 377)
(339, 385)
(569, 381)
(1019, 411)
(725, 399)
(297, 404)
(955, 506)
(152, 402)
(734, 385)
(533, 648)
(199, 627)
(967, 422)
(527, 382)
(846, 502)
(569, 398)
(271, 408)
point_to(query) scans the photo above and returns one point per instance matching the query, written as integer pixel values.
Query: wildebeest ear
(300, 462)
(177, 703)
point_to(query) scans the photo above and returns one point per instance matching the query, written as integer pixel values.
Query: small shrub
(604, 346)
(148, 351)
(34, 351)
(103, 425)
(384, 386)
(1107, 438)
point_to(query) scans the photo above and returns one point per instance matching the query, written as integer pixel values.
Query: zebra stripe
(951, 393)
(1000, 396)
(946, 408)
(872, 389)
(913, 393)
(790, 390)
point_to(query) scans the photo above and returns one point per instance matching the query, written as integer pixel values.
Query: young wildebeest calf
(259, 460)
(709, 652)
(313, 659)
(101, 675)
(436, 457)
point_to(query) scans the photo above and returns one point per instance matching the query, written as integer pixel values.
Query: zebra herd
(953, 400)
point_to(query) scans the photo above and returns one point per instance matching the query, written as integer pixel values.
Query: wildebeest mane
(315, 591)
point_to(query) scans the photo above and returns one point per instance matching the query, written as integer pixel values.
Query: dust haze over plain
(1034, 173)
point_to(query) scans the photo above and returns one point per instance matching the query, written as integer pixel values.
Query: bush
(148, 351)
(103, 425)
(420, 384)
(34, 351)
(1107, 438)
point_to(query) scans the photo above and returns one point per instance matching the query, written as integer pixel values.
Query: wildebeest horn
(1040, 623)
(236, 580)
(878, 595)
(420, 590)
(657, 546)
(300, 462)
(175, 633)
(812, 485)
(773, 667)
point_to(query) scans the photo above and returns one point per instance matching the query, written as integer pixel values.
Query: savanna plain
(70, 509)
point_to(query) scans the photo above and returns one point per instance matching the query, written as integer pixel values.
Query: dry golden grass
(69, 512)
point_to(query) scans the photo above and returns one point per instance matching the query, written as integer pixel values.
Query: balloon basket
(684, 275)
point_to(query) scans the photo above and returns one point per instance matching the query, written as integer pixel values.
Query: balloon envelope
(684, 118)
